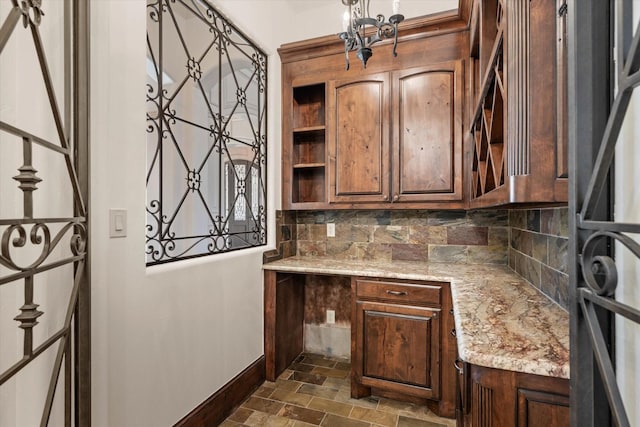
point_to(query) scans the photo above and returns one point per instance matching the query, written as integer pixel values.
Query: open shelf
(308, 106)
(308, 144)
(308, 185)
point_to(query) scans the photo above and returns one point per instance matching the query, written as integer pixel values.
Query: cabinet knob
(385, 198)
(396, 198)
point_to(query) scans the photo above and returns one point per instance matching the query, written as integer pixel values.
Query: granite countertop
(501, 321)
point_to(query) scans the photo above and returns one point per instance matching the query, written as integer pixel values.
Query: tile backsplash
(474, 237)
(538, 250)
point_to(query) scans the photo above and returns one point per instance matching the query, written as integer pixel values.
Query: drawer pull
(458, 368)
(453, 332)
(397, 293)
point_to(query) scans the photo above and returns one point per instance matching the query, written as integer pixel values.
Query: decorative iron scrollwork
(599, 271)
(206, 132)
(31, 12)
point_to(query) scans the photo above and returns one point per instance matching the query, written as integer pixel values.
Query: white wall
(627, 209)
(167, 337)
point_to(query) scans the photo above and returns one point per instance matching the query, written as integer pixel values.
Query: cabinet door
(359, 140)
(537, 408)
(398, 348)
(427, 142)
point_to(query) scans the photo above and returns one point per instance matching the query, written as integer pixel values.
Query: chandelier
(361, 31)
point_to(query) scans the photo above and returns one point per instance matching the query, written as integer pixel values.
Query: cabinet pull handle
(458, 368)
(453, 332)
(397, 293)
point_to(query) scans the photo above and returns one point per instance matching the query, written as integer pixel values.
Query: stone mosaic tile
(264, 391)
(409, 252)
(448, 253)
(555, 221)
(241, 415)
(498, 218)
(558, 253)
(374, 251)
(521, 241)
(293, 397)
(391, 234)
(317, 231)
(310, 378)
(353, 232)
(318, 360)
(263, 405)
(344, 396)
(518, 219)
(288, 384)
(498, 236)
(337, 421)
(330, 406)
(412, 422)
(423, 234)
(531, 271)
(539, 247)
(302, 231)
(467, 235)
(302, 367)
(320, 405)
(374, 416)
(341, 249)
(302, 414)
(533, 220)
(487, 254)
(410, 217)
(447, 218)
(311, 248)
(345, 366)
(323, 391)
(330, 372)
(555, 285)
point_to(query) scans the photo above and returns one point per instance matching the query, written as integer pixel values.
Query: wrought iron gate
(43, 215)
(597, 112)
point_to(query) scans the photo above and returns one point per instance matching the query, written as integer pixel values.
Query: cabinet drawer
(403, 293)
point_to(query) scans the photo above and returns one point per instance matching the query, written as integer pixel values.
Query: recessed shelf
(308, 144)
(309, 129)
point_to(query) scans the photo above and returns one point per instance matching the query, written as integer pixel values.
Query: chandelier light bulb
(396, 7)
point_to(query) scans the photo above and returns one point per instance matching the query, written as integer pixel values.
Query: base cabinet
(494, 398)
(401, 340)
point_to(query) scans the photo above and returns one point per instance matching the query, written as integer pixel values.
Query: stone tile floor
(315, 391)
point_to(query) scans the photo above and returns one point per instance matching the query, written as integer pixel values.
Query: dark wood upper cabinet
(518, 121)
(391, 134)
(359, 139)
(427, 130)
(421, 108)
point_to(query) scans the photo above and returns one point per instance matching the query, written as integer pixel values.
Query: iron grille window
(206, 141)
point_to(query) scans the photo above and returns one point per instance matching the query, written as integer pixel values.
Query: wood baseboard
(223, 402)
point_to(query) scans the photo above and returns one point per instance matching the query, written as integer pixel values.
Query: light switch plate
(117, 223)
(331, 229)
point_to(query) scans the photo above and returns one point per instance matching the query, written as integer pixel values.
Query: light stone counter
(501, 321)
